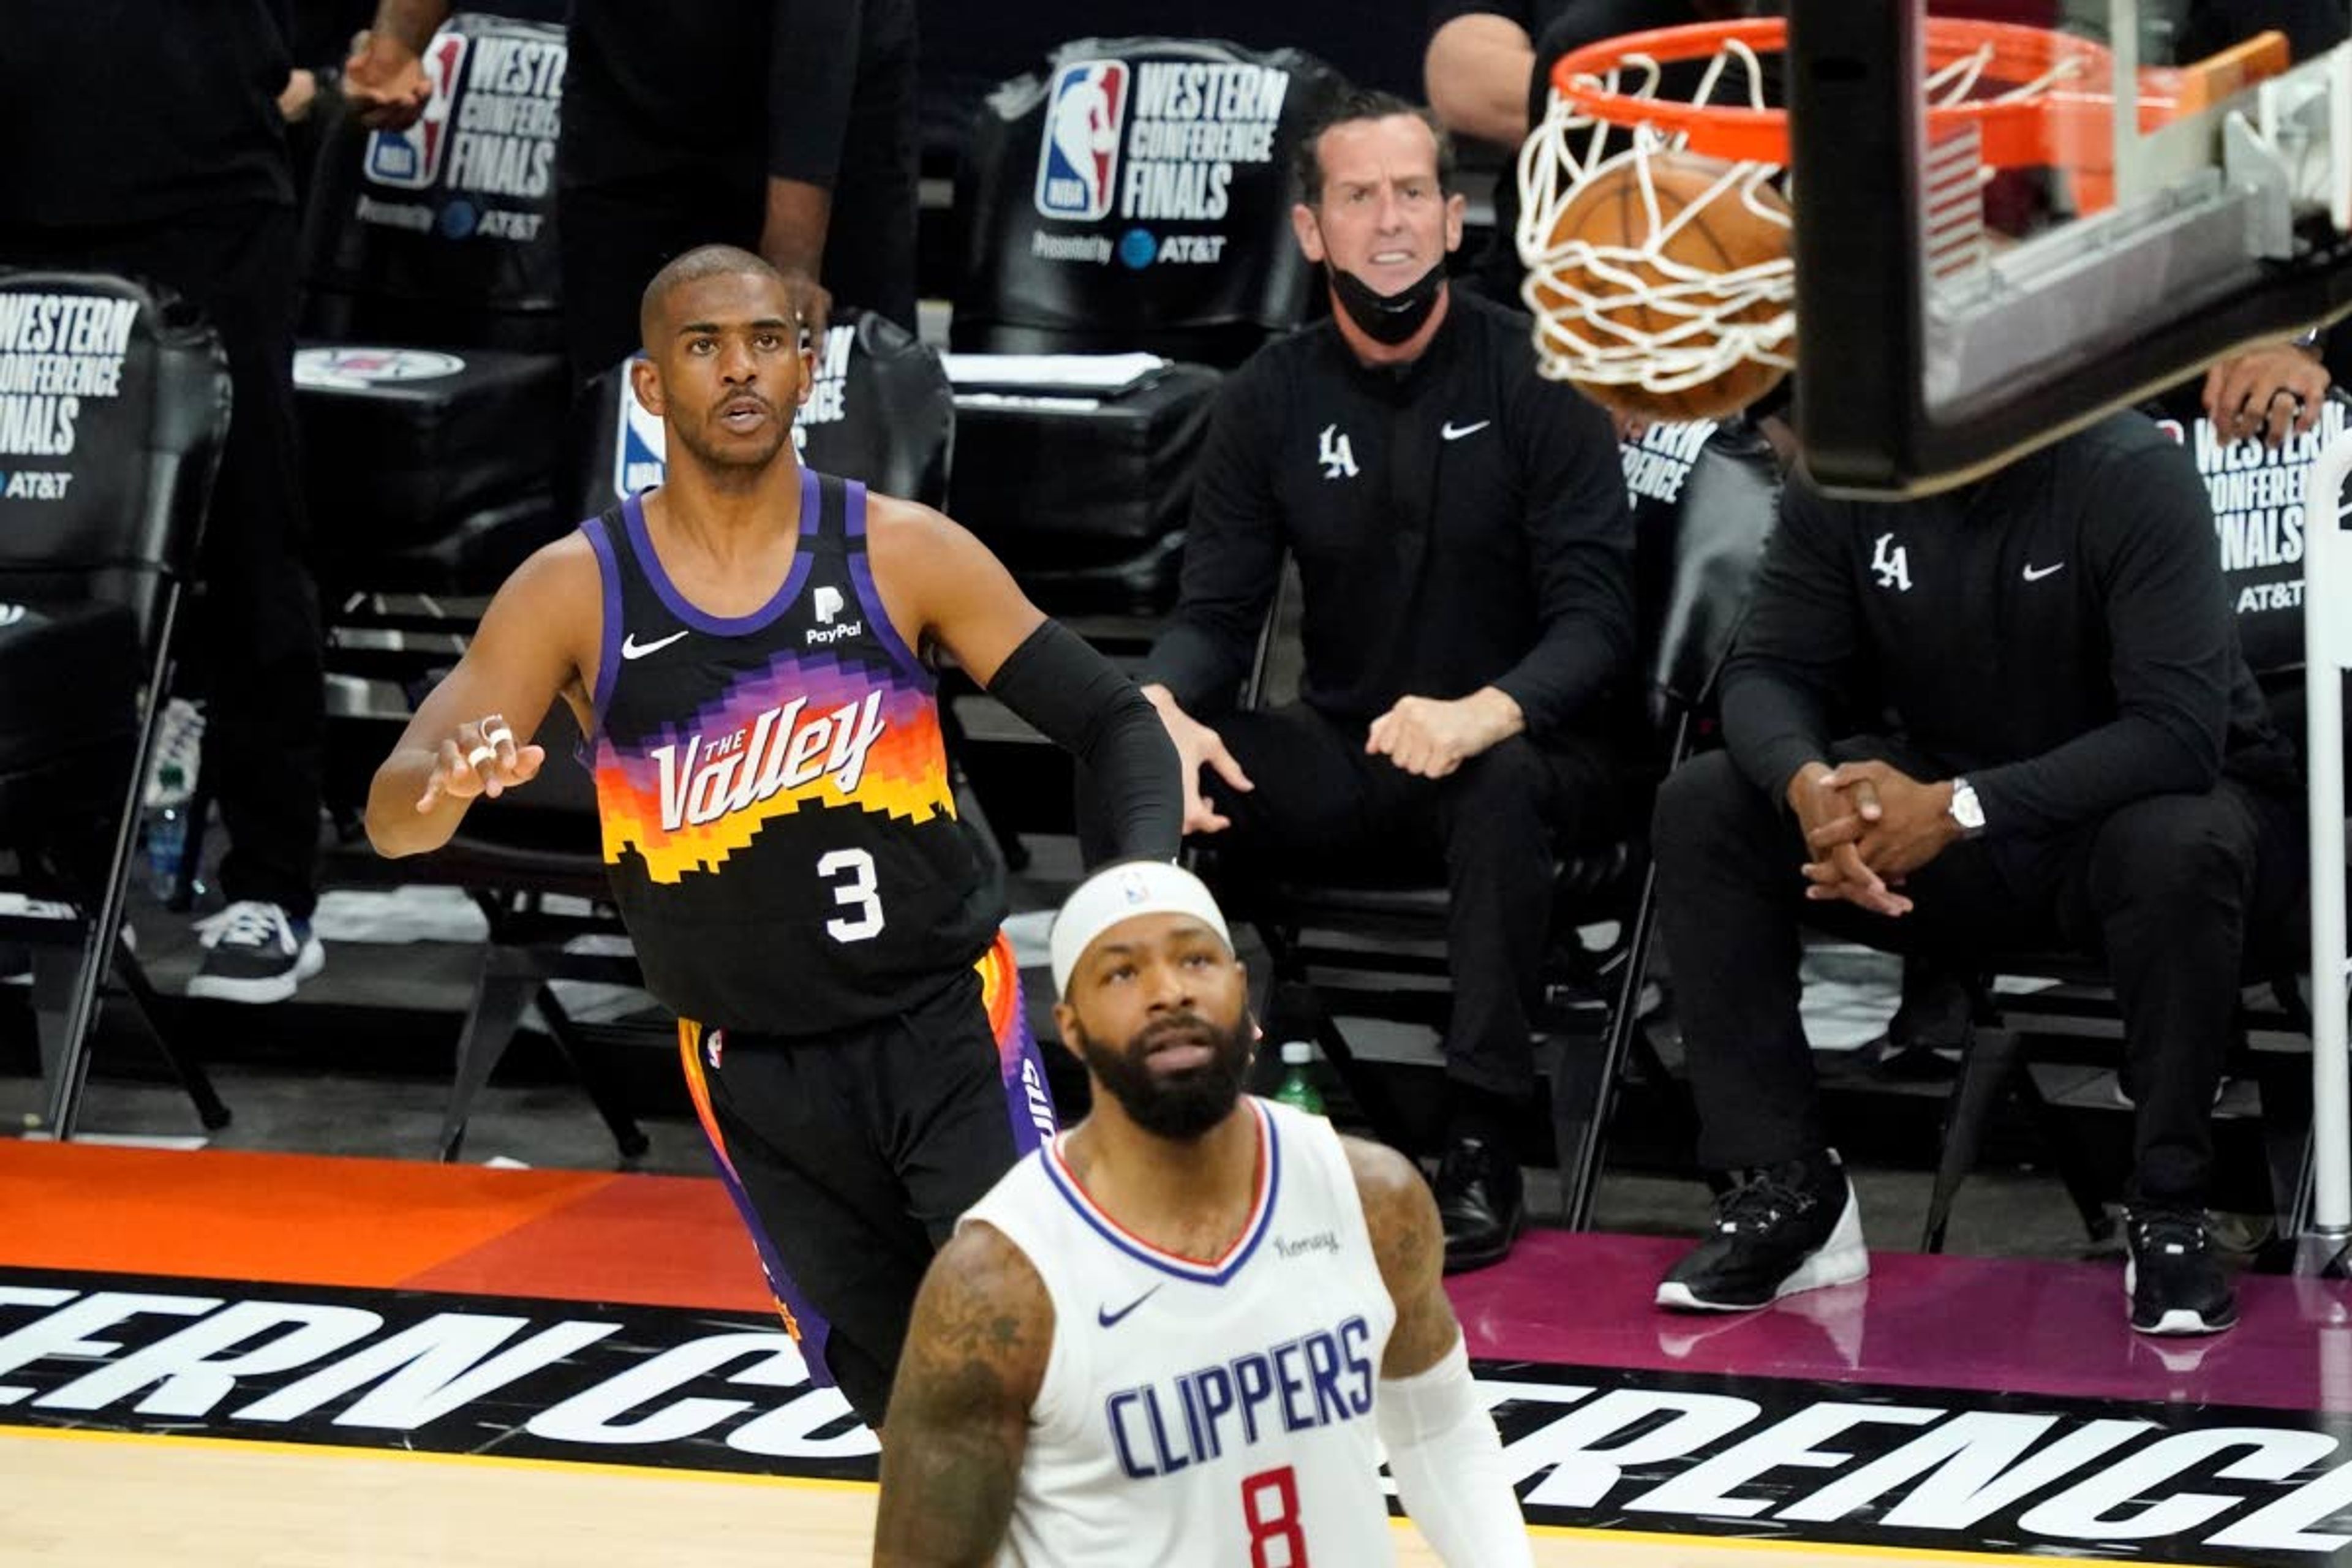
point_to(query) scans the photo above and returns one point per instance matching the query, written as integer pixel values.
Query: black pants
(851, 1157)
(1322, 807)
(2173, 891)
(257, 635)
(614, 238)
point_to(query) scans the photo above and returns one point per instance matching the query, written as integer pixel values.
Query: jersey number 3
(1270, 1508)
(856, 893)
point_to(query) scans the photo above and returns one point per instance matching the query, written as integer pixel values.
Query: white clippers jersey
(1205, 1415)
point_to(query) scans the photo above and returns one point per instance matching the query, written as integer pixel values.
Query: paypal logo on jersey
(640, 444)
(1317, 1380)
(410, 160)
(1078, 164)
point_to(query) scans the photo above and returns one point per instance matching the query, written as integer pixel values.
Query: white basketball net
(1587, 298)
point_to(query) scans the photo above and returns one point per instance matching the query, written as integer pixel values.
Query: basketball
(1620, 306)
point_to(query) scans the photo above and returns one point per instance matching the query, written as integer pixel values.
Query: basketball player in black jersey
(746, 647)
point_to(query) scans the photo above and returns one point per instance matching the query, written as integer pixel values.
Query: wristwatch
(2309, 340)
(1966, 809)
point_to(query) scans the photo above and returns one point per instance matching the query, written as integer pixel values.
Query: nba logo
(1080, 157)
(410, 160)
(640, 444)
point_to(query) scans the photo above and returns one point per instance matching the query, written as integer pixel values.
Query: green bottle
(1297, 1088)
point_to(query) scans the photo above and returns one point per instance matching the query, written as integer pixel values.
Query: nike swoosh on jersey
(632, 648)
(2036, 573)
(1110, 1319)
(1453, 432)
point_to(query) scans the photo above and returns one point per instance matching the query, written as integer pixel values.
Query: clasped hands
(1867, 826)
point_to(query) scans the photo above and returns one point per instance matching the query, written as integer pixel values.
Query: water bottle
(167, 830)
(1298, 1088)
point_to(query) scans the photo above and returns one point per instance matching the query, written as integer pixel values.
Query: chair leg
(1985, 1070)
(1372, 1096)
(2284, 1085)
(592, 1068)
(2065, 1155)
(210, 1110)
(1597, 1086)
(510, 977)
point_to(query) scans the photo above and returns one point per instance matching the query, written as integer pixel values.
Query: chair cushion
(400, 446)
(69, 682)
(1065, 489)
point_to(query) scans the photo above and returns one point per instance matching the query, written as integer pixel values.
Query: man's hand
(1197, 744)
(814, 300)
(384, 82)
(301, 92)
(1914, 822)
(481, 758)
(1431, 739)
(1834, 819)
(2271, 392)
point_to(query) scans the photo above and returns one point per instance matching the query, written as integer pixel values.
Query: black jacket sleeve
(813, 59)
(1580, 538)
(2149, 546)
(1796, 655)
(1233, 549)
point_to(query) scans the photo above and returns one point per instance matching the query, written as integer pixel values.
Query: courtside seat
(102, 518)
(430, 384)
(1133, 196)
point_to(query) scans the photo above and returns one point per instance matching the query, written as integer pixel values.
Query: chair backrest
(444, 235)
(114, 400)
(1704, 498)
(881, 411)
(2258, 505)
(1136, 193)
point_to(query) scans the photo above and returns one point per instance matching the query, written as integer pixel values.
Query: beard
(1181, 1105)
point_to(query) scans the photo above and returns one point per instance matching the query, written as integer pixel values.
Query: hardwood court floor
(112, 1500)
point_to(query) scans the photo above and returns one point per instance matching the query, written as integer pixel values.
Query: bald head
(696, 265)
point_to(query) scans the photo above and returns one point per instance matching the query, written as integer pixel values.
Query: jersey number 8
(856, 893)
(1270, 1508)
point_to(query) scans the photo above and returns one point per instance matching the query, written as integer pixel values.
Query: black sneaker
(1782, 1230)
(255, 952)
(2176, 1284)
(1481, 1201)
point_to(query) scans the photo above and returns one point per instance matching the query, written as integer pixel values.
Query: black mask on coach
(1387, 318)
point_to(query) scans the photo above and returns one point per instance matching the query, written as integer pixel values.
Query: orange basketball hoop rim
(2047, 95)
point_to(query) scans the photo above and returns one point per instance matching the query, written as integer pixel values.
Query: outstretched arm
(942, 585)
(472, 735)
(1442, 1448)
(959, 1420)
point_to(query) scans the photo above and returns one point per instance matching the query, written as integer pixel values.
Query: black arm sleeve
(2169, 658)
(1580, 531)
(813, 56)
(1233, 551)
(1076, 699)
(1795, 656)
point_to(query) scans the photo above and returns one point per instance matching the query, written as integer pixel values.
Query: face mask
(1387, 318)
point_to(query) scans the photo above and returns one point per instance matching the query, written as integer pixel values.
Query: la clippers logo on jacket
(1079, 165)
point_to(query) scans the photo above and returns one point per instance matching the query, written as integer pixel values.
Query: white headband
(1119, 893)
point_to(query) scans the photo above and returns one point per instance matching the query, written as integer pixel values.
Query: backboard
(2175, 196)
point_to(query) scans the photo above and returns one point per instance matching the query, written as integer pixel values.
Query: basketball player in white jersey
(1177, 1336)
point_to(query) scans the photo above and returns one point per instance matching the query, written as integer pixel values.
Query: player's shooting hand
(481, 758)
(1430, 738)
(1834, 819)
(384, 82)
(2270, 393)
(1914, 823)
(1197, 746)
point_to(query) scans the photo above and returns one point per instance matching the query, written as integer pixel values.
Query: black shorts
(851, 1156)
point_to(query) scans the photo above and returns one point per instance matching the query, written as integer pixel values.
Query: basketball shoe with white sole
(1781, 1229)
